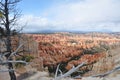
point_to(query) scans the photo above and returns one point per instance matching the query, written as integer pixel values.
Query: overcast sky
(71, 15)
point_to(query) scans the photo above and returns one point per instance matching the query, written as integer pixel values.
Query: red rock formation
(88, 58)
(57, 48)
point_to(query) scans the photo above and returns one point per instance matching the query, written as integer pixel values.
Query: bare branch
(13, 20)
(1, 10)
(69, 72)
(7, 70)
(107, 73)
(1, 4)
(10, 61)
(57, 70)
(2, 55)
(15, 52)
(60, 72)
(77, 77)
(13, 2)
(3, 21)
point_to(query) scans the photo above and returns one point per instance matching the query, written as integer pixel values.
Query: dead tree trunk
(10, 15)
(8, 42)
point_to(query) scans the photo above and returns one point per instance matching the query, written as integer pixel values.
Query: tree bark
(11, 73)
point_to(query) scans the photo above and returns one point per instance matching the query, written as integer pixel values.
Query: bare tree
(8, 18)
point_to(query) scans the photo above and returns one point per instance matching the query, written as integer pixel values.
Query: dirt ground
(4, 75)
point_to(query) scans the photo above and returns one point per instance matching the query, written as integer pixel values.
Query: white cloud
(34, 20)
(83, 15)
(86, 11)
(33, 23)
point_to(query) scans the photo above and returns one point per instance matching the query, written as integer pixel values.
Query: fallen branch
(69, 72)
(10, 61)
(57, 71)
(107, 73)
(60, 72)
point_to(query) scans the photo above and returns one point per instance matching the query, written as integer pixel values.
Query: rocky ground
(112, 58)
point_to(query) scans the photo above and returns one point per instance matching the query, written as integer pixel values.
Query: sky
(70, 15)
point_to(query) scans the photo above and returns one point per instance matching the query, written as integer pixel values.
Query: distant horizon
(60, 31)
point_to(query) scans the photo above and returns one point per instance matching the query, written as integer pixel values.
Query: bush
(94, 50)
(106, 47)
(26, 58)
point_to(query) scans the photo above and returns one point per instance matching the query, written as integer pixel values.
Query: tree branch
(107, 73)
(13, 2)
(57, 70)
(69, 72)
(11, 61)
(2, 5)
(15, 52)
(7, 70)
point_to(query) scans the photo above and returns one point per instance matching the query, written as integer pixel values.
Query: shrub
(26, 58)
(94, 50)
